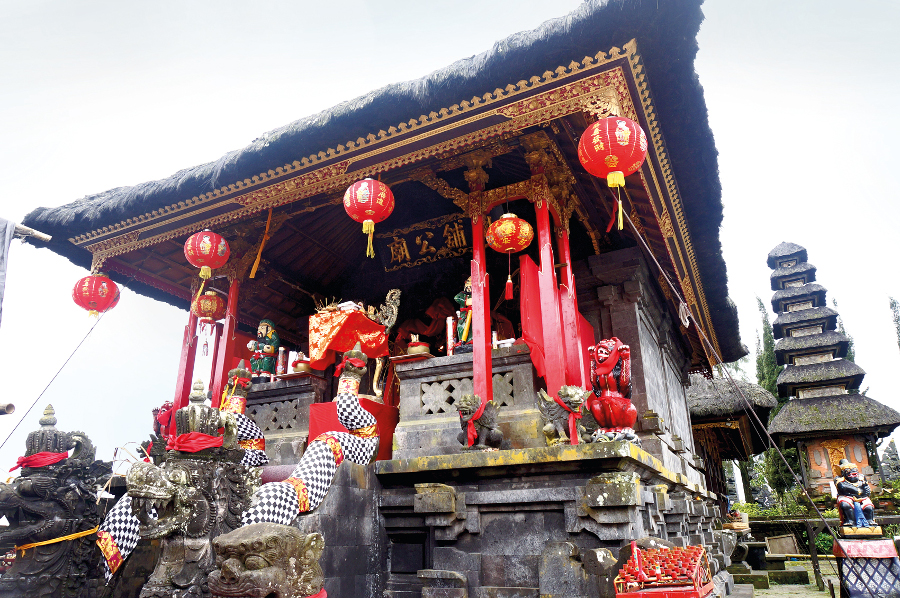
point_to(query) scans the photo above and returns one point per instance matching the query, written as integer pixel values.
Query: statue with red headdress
(611, 380)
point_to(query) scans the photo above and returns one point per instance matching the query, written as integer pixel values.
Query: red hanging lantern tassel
(509, 234)
(369, 201)
(614, 148)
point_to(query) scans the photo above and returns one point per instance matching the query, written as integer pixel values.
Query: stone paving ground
(829, 571)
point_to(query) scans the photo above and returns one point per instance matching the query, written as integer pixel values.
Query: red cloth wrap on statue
(320, 594)
(573, 420)
(605, 367)
(40, 460)
(333, 332)
(193, 442)
(357, 363)
(471, 433)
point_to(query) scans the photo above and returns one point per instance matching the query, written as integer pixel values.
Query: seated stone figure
(853, 491)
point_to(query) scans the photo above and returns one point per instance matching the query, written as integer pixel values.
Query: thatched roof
(666, 35)
(783, 251)
(795, 319)
(795, 271)
(811, 344)
(717, 397)
(809, 291)
(819, 374)
(834, 414)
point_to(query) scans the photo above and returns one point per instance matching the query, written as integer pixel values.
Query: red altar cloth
(333, 332)
(323, 418)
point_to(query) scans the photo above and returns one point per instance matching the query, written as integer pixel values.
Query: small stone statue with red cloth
(265, 349)
(853, 499)
(611, 380)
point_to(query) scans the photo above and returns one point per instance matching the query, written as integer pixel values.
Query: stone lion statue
(267, 559)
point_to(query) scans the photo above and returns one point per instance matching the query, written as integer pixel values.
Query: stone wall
(281, 410)
(618, 295)
(429, 422)
(533, 522)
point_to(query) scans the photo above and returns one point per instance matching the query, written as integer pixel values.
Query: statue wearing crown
(265, 349)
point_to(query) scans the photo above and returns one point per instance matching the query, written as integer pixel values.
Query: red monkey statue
(611, 379)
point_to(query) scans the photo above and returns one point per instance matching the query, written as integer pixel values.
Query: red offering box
(323, 418)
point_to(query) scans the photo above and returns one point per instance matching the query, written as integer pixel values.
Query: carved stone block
(618, 489)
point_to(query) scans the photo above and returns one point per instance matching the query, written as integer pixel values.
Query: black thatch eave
(820, 374)
(802, 269)
(811, 291)
(716, 397)
(785, 251)
(666, 35)
(800, 318)
(849, 413)
(812, 343)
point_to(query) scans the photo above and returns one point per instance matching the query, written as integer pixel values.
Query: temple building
(826, 417)
(722, 425)
(493, 134)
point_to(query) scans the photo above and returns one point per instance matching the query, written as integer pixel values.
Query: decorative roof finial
(49, 418)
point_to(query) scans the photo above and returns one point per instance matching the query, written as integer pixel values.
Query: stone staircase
(403, 585)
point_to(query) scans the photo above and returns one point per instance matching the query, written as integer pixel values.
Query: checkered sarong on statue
(250, 438)
(121, 526)
(281, 502)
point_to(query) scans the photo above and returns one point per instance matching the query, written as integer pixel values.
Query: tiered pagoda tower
(825, 417)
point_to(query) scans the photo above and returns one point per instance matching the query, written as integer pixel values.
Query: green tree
(767, 369)
(777, 473)
(895, 312)
(851, 352)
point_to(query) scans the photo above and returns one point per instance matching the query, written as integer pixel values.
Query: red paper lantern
(96, 293)
(613, 147)
(206, 250)
(509, 234)
(369, 201)
(209, 307)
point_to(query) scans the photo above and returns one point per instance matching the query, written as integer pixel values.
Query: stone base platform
(547, 521)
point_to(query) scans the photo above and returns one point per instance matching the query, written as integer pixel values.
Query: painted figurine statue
(265, 348)
(611, 379)
(464, 321)
(853, 496)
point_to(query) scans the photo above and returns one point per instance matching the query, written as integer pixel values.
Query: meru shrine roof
(531, 89)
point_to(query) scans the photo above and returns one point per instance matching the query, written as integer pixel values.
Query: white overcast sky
(99, 94)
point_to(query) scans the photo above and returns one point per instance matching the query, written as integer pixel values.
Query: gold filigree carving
(729, 425)
(665, 225)
(688, 291)
(836, 452)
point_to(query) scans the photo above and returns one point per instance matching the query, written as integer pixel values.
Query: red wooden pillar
(569, 307)
(186, 366)
(554, 354)
(217, 342)
(482, 375)
(225, 348)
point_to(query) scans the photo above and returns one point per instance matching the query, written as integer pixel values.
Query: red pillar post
(482, 374)
(568, 302)
(554, 354)
(217, 342)
(225, 348)
(186, 366)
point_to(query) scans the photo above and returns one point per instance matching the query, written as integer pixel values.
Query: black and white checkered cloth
(351, 414)
(123, 526)
(277, 502)
(248, 430)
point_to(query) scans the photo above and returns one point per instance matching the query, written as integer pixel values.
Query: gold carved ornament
(836, 452)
